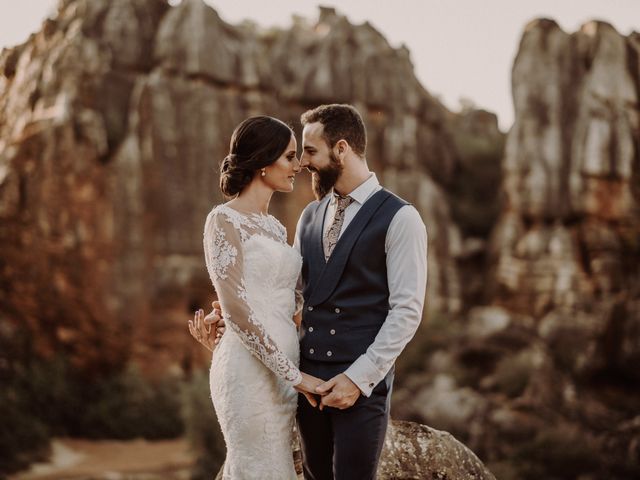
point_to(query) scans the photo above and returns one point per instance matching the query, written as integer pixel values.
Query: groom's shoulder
(406, 212)
(311, 209)
(395, 198)
(312, 205)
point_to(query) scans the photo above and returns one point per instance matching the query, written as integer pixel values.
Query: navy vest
(347, 298)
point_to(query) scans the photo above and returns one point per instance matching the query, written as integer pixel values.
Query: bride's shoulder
(218, 209)
(222, 214)
(224, 210)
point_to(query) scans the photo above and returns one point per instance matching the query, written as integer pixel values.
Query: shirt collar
(363, 191)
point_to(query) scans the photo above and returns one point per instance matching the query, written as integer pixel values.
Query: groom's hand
(339, 392)
(215, 319)
(208, 330)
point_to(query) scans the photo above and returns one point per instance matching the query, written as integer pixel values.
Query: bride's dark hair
(256, 143)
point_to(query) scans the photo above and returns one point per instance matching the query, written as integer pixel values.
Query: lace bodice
(227, 234)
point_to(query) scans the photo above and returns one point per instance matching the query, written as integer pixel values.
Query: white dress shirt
(406, 249)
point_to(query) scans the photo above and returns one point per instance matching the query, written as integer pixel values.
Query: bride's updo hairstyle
(256, 143)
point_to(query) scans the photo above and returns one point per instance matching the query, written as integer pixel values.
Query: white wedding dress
(255, 365)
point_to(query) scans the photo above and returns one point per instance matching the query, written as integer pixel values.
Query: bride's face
(280, 175)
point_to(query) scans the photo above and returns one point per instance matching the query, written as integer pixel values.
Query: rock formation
(568, 240)
(113, 119)
(417, 451)
(549, 362)
(413, 451)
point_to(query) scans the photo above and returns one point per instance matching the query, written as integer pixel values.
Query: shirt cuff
(364, 373)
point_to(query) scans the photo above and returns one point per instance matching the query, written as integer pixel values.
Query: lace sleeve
(223, 256)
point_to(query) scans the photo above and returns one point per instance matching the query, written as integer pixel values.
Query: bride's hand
(307, 387)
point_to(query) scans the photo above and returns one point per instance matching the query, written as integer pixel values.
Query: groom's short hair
(340, 121)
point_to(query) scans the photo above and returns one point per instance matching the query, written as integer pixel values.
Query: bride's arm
(224, 259)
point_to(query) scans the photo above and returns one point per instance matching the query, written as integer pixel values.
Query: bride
(254, 369)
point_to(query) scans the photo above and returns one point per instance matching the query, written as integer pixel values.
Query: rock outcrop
(113, 118)
(413, 451)
(417, 451)
(548, 362)
(567, 242)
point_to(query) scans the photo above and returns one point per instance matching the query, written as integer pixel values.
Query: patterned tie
(331, 236)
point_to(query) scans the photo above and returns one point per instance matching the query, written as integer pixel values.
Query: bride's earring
(264, 173)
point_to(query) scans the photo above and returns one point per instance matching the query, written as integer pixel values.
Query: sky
(459, 48)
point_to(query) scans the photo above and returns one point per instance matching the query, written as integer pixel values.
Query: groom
(364, 276)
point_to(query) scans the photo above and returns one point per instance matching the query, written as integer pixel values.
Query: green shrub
(119, 405)
(48, 393)
(129, 406)
(48, 398)
(23, 437)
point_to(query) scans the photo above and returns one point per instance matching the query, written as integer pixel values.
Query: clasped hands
(338, 392)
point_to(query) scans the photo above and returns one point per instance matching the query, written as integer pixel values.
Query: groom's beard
(323, 179)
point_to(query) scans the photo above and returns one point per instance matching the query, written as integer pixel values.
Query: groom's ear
(341, 149)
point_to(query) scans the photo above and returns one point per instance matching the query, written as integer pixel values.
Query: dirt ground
(113, 460)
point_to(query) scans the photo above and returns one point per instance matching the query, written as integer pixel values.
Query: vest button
(329, 353)
(311, 329)
(332, 331)
(310, 308)
(311, 350)
(337, 310)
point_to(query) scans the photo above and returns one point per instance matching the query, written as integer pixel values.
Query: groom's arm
(406, 248)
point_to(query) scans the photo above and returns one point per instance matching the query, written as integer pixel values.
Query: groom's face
(319, 159)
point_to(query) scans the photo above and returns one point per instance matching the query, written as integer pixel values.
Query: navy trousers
(343, 444)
